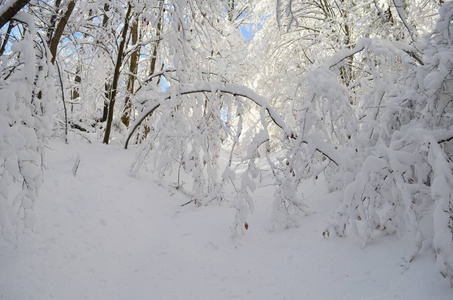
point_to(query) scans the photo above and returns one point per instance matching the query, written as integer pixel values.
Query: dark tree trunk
(12, 10)
(133, 67)
(53, 43)
(116, 75)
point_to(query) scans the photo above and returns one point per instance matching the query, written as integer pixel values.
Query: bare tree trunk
(116, 75)
(107, 85)
(53, 43)
(153, 62)
(11, 11)
(53, 20)
(156, 45)
(133, 67)
(77, 79)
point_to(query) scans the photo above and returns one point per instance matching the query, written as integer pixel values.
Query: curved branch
(137, 124)
(402, 14)
(239, 90)
(160, 73)
(229, 88)
(345, 53)
(445, 140)
(371, 43)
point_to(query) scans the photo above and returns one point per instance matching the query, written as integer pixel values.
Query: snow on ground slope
(104, 235)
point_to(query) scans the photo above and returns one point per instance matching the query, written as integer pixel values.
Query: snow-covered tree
(27, 96)
(185, 123)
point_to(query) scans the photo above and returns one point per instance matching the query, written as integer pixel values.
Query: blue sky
(248, 29)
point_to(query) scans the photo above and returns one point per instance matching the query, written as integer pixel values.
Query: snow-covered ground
(105, 235)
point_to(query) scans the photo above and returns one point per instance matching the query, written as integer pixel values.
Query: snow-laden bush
(26, 94)
(401, 178)
(191, 137)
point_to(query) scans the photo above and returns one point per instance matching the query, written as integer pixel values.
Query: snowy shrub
(192, 137)
(402, 177)
(26, 95)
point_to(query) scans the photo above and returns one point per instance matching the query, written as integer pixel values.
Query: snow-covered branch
(228, 88)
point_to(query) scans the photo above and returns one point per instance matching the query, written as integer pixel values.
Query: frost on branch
(25, 122)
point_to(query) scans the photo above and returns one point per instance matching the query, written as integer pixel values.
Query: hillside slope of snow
(105, 235)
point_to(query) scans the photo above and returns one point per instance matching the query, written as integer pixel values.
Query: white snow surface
(105, 235)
